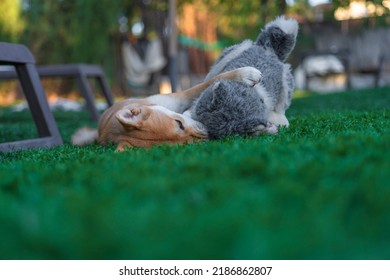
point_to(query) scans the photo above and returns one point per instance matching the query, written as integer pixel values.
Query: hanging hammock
(138, 71)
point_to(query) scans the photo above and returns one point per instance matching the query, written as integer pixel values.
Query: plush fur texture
(231, 108)
(267, 54)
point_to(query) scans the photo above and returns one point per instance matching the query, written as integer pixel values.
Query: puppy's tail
(280, 36)
(84, 136)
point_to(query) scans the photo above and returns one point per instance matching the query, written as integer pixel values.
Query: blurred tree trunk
(283, 6)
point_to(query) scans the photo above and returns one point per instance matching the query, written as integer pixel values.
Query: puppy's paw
(250, 75)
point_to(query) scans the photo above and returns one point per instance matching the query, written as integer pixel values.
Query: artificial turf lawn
(318, 190)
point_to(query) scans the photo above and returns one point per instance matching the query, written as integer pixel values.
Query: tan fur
(156, 119)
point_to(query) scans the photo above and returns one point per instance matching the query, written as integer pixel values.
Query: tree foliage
(240, 19)
(64, 31)
(346, 3)
(11, 24)
(70, 31)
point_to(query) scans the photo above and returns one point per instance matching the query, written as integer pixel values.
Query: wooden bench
(79, 72)
(23, 61)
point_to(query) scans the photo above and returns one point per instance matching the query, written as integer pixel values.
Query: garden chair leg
(21, 58)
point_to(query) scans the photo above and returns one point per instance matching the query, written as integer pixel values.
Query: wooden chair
(23, 61)
(79, 72)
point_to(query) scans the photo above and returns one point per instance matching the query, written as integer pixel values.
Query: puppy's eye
(180, 124)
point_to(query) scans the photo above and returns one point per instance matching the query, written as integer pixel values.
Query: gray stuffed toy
(231, 107)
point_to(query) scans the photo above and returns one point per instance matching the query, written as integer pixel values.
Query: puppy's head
(147, 125)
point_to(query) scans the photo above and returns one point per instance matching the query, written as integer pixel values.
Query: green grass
(318, 190)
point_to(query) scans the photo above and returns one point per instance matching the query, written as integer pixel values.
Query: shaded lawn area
(318, 190)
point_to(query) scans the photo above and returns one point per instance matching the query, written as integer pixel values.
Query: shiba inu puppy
(157, 119)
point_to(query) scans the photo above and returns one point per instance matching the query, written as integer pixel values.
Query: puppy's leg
(183, 100)
(248, 75)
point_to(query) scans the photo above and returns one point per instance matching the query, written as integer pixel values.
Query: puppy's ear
(133, 117)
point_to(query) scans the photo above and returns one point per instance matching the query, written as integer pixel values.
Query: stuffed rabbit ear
(222, 86)
(133, 117)
(219, 92)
